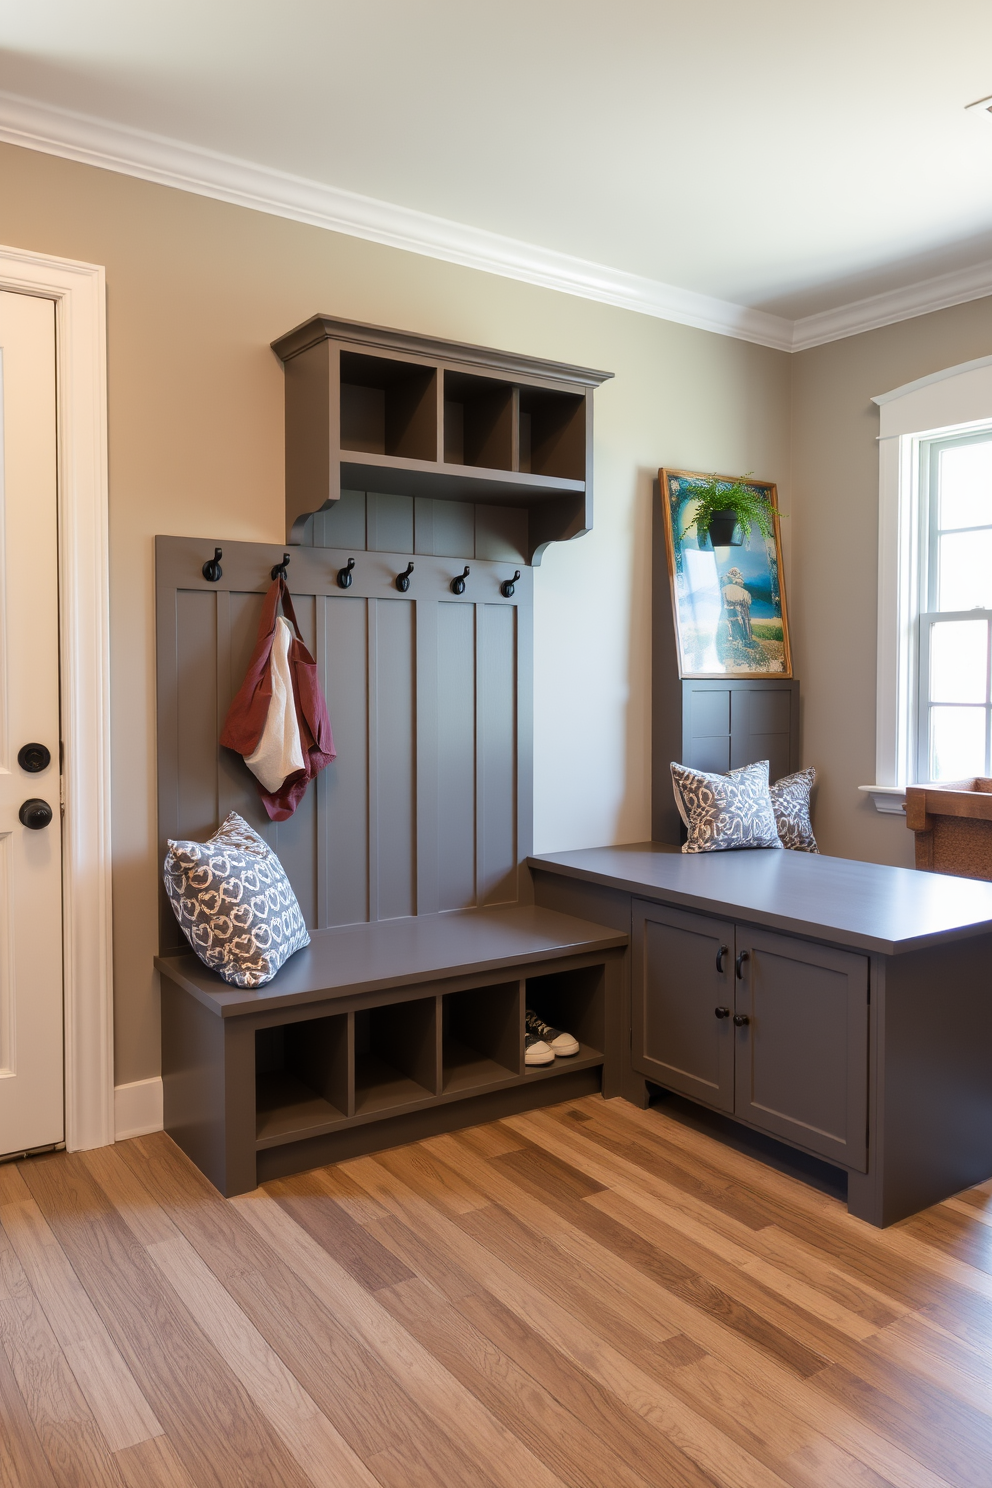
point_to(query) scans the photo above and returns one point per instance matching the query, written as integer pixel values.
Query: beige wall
(196, 291)
(834, 572)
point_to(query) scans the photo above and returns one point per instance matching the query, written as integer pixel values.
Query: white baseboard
(138, 1108)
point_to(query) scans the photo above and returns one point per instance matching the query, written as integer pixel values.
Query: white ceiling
(778, 154)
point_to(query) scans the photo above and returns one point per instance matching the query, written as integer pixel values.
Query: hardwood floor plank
(76, 1450)
(604, 1365)
(21, 1452)
(119, 1408)
(323, 1455)
(427, 1380)
(583, 1296)
(361, 1255)
(203, 1408)
(153, 1464)
(365, 1403)
(535, 1392)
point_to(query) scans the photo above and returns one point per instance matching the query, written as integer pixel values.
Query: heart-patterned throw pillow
(234, 903)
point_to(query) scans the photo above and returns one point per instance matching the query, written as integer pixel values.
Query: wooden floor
(589, 1295)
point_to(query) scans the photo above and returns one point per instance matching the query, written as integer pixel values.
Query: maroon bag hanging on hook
(250, 708)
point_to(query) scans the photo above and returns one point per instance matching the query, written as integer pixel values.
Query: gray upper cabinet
(384, 411)
(683, 996)
(767, 1027)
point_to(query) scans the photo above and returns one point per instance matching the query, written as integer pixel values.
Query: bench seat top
(394, 953)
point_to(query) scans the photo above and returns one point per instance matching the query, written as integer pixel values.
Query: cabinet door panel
(677, 1039)
(802, 1058)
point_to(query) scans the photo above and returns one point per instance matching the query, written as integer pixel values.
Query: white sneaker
(560, 1044)
(536, 1051)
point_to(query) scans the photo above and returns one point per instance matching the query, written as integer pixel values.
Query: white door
(31, 1078)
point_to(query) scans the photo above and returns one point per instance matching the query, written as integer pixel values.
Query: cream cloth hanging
(279, 752)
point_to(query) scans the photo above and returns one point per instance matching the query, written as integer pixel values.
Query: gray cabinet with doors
(863, 1004)
(766, 1027)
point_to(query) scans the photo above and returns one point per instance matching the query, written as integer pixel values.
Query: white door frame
(79, 292)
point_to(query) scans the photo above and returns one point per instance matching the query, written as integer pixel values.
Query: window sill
(890, 800)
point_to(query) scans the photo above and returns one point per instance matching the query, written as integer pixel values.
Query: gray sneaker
(536, 1051)
(560, 1044)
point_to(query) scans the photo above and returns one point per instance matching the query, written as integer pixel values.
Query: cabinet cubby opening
(388, 407)
(552, 433)
(395, 1055)
(575, 1002)
(479, 421)
(480, 1036)
(301, 1076)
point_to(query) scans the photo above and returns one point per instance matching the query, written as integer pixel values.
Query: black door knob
(35, 814)
(740, 1019)
(33, 758)
(722, 1012)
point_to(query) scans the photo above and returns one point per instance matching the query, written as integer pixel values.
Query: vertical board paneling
(393, 751)
(501, 533)
(389, 523)
(295, 840)
(196, 724)
(497, 770)
(456, 763)
(345, 782)
(236, 786)
(341, 525)
(427, 805)
(454, 529)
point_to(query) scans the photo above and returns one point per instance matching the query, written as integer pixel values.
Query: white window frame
(956, 400)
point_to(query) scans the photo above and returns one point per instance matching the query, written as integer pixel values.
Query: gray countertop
(866, 905)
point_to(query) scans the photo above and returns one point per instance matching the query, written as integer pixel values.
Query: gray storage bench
(382, 1034)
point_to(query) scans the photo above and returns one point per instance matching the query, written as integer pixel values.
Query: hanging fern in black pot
(727, 511)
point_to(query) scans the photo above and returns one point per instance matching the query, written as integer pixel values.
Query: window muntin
(955, 624)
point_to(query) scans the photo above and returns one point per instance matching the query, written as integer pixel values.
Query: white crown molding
(896, 304)
(169, 162)
(207, 173)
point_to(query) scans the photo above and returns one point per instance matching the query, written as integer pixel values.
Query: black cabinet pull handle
(740, 1020)
(742, 956)
(719, 957)
(722, 1012)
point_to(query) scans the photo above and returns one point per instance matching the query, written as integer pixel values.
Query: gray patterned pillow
(790, 802)
(234, 903)
(725, 811)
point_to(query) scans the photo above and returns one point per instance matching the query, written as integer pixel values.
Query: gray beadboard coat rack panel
(428, 804)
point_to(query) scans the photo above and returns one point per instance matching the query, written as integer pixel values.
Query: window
(933, 700)
(954, 711)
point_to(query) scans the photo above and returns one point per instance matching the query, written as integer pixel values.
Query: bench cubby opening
(302, 1077)
(388, 407)
(480, 1037)
(395, 1055)
(575, 1002)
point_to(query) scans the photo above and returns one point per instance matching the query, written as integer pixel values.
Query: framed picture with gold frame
(727, 584)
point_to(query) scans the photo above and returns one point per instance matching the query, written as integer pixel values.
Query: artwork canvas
(729, 599)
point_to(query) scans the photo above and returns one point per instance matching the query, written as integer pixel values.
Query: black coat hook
(212, 570)
(403, 579)
(458, 585)
(344, 574)
(509, 585)
(279, 569)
